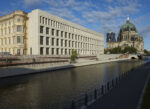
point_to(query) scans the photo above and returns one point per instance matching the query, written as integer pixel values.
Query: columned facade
(41, 33)
(52, 35)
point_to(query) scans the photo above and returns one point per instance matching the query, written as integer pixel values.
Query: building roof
(128, 26)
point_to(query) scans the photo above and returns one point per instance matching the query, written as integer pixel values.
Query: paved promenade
(37, 68)
(126, 95)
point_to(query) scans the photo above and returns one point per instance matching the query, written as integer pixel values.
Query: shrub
(73, 56)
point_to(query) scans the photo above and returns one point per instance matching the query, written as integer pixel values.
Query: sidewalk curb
(143, 92)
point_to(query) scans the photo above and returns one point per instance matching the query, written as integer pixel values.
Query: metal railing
(90, 97)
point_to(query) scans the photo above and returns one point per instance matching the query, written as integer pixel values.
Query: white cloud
(109, 18)
(67, 14)
(32, 3)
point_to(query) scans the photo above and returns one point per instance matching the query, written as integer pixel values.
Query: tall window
(41, 29)
(57, 42)
(18, 28)
(65, 51)
(65, 43)
(61, 33)
(61, 51)
(30, 51)
(65, 34)
(47, 51)
(40, 19)
(41, 50)
(52, 51)
(52, 32)
(18, 19)
(18, 51)
(52, 41)
(57, 33)
(18, 39)
(47, 40)
(72, 36)
(57, 51)
(69, 35)
(43, 20)
(47, 30)
(69, 43)
(61, 42)
(41, 40)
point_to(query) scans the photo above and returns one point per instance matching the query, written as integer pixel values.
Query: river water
(51, 90)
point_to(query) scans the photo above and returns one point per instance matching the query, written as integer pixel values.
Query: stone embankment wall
(28, 65)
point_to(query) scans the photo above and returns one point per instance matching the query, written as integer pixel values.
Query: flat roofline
(76, 25)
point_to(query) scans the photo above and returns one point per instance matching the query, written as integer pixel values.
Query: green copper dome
(128, 27)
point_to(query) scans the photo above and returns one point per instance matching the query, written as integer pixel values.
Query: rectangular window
(75, 37)
(62, 42)
(47, 40)
(72, 43)
(47, 30)
(41, 29)
(52, 51)
(57, 51)
(47, 51)
(65, 34)
(57, 33)
(18, 28)
(69, 35)
(61, 33)
(40, 19)
(43, 20)
(65, 51)
(57, 42)
(41, 50)
(30, 51)
(52, 32)
(18, 39)
(65, 43)
(61, 51)
(41, 40)
(72, 36)
(46, 21)
(52, 41)
(69, 43)
(18, 51)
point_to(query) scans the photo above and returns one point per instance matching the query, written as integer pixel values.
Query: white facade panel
(52, 35)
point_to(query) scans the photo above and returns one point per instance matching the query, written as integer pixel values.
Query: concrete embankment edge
(143, 92)
(12, 72)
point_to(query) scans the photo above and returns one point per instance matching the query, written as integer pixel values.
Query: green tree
(73, 56)
(146, 52)
(118, 50)
(129, 50)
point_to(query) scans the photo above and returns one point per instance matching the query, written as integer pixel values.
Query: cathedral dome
(128, 26)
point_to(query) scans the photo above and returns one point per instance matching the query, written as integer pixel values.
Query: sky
(99, 15)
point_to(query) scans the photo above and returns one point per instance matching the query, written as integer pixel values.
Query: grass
(146, 98)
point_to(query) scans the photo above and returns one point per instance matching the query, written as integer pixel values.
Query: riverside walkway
(127, 94)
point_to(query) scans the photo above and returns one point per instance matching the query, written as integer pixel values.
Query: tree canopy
(118, 50)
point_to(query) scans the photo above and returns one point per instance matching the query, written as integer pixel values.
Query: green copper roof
(128, 27)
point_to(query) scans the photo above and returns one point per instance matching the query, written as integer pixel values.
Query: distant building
(128, 36)
(111, 37)
(41, 33)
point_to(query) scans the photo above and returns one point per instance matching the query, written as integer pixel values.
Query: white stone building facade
(46, 34)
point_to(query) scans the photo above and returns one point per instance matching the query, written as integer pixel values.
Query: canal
(51, 90)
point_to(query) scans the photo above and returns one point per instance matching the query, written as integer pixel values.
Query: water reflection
(52, 90)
